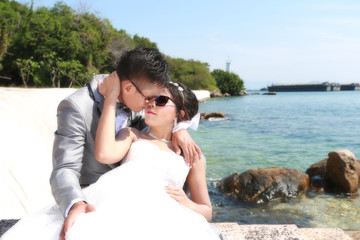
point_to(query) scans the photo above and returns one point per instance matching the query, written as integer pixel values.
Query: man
(142, 73)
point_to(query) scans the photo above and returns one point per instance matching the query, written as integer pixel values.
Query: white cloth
(193, 124)
(131, 203)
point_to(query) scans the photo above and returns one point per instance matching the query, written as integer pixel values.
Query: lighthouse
(228, 64)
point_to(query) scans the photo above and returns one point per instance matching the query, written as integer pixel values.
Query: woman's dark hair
(142, 63)
(184, 100)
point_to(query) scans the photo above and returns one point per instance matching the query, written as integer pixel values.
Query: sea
(291, 130)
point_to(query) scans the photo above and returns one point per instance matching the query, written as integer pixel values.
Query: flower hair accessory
(177, 85)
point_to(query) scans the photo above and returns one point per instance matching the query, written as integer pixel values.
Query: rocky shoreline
(337, 174)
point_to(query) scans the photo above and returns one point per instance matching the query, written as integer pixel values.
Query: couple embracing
(120, 160)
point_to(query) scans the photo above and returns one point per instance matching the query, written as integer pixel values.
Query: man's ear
(127, 85)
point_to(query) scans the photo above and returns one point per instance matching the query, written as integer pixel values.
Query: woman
(144, 197)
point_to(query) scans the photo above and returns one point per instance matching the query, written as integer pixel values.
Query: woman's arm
(200, 202)
(109, 149)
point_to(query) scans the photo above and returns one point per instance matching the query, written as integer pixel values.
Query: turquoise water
(292, 130)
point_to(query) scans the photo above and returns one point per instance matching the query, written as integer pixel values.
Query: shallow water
(292, 130)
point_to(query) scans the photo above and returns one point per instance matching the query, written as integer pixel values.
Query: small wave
(214, 119)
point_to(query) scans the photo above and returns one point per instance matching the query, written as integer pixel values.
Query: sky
(267, 42)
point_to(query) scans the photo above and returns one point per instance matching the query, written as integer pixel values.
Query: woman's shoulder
(132, 132)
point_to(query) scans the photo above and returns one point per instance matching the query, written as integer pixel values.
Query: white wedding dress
(131, 203)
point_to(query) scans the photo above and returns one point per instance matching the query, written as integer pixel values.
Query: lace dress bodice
(168, 165)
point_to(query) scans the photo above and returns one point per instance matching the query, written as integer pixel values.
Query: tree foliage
(59, 47)
(194, 74)
(10, 18)
(144, 42)
(68, 46)
(228, 82)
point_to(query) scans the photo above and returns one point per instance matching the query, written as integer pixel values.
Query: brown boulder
(215, 94)
(214, 115)
(270, 93)
(342, 169)
(317, 169)
(265, 184)
(319, 181)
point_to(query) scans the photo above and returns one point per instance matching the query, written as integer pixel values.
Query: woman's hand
(179, 195)
(110, 86)
(182, 141)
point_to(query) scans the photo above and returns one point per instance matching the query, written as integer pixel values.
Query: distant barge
(350, 87)
(326, 86)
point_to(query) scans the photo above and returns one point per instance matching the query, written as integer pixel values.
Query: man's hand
(77, 209)
(182, 140)
(110, 86)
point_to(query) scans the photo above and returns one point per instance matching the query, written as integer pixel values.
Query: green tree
(62, 41)
(74, 72)
(144, 42)
(10, 19)
(120, 41)
(228, 82)
(50, 63)
(194, 74)
(27, 68)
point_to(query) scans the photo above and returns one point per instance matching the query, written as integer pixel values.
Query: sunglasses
(162, 101)
(147, 99)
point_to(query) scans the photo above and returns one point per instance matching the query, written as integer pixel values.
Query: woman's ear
(182, 112)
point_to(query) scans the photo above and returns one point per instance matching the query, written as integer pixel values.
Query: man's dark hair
(184, 99)
(143, 63)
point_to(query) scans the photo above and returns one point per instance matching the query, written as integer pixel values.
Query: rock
(319, 181)
(215, 93)
(317, 169)
(243, 93)
(227, 95)
(265, 184)
(342, 169)
(214, 115)
(269, 93)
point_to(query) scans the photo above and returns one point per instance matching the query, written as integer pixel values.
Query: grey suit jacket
(74, 163)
